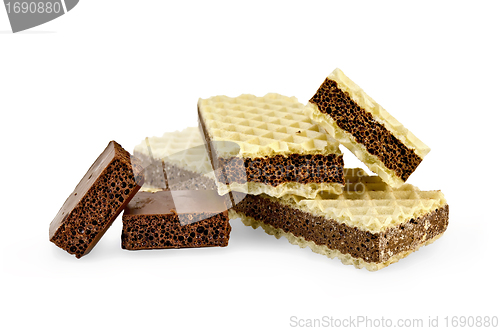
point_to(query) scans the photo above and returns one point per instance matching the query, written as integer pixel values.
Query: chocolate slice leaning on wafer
(107, 187)
(353, 118)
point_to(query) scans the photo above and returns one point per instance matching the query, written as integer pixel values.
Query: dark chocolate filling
(277, 169)
(379, 141)
(371, 247)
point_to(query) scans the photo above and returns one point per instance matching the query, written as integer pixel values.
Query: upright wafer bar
(267, 145)
(369, 225)
(175, 219)
(179, 156)
(353, 118)
(97, 200)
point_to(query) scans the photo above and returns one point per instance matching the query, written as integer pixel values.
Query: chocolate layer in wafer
(175, 219)
(268, 145)
(97, 200)
(353, 118)
(369, 225)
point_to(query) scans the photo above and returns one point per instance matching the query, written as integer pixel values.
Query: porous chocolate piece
(365, 128)
(267, 145)
(175, 219)
(370, 225)
(97, 200)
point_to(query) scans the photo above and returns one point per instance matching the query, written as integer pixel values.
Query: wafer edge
(309, 190)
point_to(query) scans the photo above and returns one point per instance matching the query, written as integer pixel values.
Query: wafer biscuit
(386, 147)
(368, 225)
(273, 147)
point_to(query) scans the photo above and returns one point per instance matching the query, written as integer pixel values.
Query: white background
(125, 70)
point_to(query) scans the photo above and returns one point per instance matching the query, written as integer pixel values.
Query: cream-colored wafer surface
(264, 126)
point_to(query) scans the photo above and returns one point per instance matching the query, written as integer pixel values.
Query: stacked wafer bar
(277, 165)
(338, 223)
(368, 225)
(268, 145)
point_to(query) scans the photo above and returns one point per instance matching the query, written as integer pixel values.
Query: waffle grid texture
(380, 115)
(264, 126)
(368, 203)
